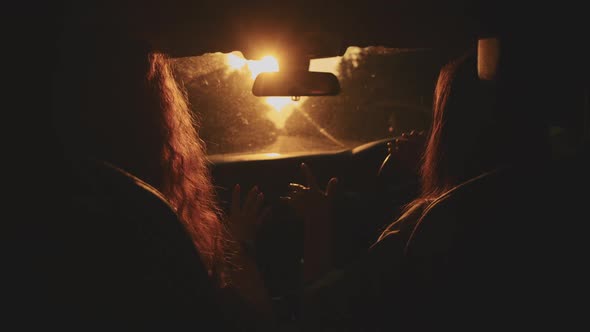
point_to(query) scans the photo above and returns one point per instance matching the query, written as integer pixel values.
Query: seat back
(119, 252)
(493, 252)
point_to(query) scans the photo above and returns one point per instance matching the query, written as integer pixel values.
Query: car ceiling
(318, 28)
(324, 28)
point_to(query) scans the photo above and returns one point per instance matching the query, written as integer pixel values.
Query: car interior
(330, 84)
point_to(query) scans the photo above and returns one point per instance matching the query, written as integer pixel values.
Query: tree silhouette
(381, 89)
(385, 92)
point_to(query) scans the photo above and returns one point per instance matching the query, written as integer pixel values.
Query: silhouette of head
(116, 100)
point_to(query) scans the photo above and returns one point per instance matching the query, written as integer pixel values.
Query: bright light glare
(281, 107)
(266, 64)
(278, 103)
(327, 65)
(235, 62)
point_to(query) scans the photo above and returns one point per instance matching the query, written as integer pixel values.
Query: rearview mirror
(296, 83)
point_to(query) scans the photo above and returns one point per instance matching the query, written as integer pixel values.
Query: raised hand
(309, 201)
(315, 207)
(243, 221)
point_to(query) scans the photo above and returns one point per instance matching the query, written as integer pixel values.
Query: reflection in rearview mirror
(296, 83)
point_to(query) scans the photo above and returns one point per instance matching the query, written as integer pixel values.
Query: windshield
(385, 92)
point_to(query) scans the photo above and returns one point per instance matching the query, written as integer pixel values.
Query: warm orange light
(279, 103)
(235, 62)
(282, 107)
(266, 64)
(327, 65)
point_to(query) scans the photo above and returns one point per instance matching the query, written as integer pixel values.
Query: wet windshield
(384, 92)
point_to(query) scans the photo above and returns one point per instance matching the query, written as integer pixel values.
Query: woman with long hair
(463, 141)
(470, 135)
(123, 106)
(118, 105)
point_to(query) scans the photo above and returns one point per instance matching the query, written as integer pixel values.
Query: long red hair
(187, 180)
(119, 102)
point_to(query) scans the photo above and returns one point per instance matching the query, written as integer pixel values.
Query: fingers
(235, 200)
(412, 133)
(331, 188)
(297, 186)
(295, 195)
(251, 199)
(259, 203)
(309, 177)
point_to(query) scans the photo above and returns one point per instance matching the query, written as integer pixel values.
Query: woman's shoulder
(403, 226)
